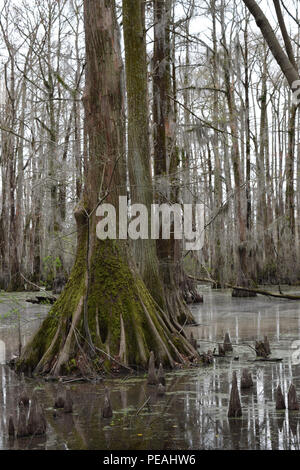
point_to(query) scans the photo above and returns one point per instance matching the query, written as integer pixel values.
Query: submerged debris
(227, 343)
(68, 408)
(292, 398)
(60, 397)
(235, 409)
(107, 408)
(152, 376)
(280, 402)
(246, 380)
(161, 375)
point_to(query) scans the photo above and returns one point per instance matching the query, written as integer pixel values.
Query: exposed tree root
(124, 322)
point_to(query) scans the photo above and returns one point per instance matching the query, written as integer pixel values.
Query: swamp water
(193, 412)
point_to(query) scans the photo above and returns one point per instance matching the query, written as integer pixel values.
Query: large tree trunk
(141, 188)
(105, 314)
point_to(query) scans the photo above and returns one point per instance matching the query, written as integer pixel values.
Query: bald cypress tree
(105, 312)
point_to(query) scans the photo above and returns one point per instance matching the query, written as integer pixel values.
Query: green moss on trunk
(117, 299)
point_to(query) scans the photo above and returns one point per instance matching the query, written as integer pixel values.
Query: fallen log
(268, 359)
(266, 293)
(247, 289)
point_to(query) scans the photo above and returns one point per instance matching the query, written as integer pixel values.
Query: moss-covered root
(178, 310)
(123, 320)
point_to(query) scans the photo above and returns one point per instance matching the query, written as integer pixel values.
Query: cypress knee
(235, 409)
(161, 375)
(107, 408)
(42, 423)
(280, 402)
(152, 376)
(246, 381)
(227, 343)
(208, 357)
(22, 422)
(60, 397)
(161, 390)
(36, 421)
(68, 408)
(33, 418)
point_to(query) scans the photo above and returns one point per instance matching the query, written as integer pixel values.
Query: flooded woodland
(149, 225)
(192, 414)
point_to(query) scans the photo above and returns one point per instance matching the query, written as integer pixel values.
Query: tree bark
(166, 160)
(141, 188)
(105, 314)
